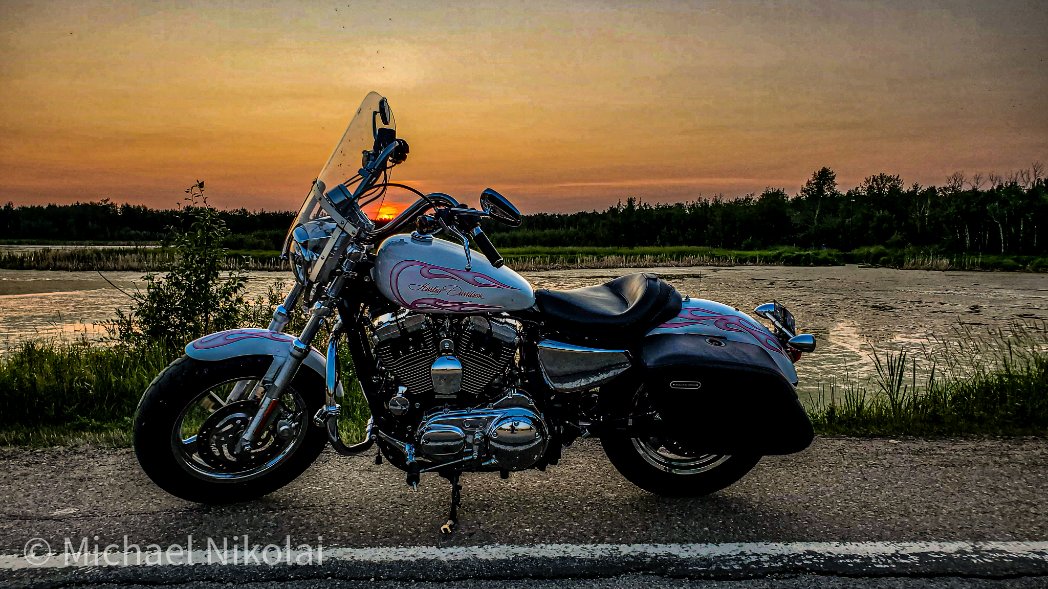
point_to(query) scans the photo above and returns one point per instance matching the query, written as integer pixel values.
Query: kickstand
(456, 500)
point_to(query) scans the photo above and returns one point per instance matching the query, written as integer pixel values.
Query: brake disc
(218, 437)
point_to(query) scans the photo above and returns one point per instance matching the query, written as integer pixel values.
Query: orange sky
(559, 105)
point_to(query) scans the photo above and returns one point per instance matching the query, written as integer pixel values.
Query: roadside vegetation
(70, 392)
(59, 393)
(993, 383)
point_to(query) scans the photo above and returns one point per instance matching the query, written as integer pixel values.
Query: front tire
(190, 395)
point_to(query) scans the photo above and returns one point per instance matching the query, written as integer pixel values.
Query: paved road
(840, 490)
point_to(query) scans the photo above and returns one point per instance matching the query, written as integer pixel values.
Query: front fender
(252, 342)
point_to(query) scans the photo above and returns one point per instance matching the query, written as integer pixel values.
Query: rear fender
(710, 318)
(723, 395)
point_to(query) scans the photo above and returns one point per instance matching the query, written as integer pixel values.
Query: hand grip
(487, 248)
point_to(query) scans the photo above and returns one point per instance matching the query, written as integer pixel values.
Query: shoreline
(151, 258)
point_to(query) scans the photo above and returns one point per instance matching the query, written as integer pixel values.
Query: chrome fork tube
(281, 315)
(299, 350)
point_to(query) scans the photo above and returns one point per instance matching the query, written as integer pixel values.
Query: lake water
(851, 310)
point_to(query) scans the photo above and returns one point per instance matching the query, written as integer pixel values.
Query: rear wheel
(660, 464)
(189, 421)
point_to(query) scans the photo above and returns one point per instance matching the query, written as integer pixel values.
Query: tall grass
(130, 259)
(51, 390)
(993, 383)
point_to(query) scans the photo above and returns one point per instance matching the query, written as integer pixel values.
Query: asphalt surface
(839, 490)
(629, 582)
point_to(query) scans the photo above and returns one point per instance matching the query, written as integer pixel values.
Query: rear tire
(159, 423)
(683, 477)
(663, 466)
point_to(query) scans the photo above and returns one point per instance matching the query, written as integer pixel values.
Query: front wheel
(192, 415)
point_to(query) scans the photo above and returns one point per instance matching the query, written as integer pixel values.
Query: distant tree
(821, 187)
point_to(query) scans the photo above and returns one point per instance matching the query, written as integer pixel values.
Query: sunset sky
(559, 105)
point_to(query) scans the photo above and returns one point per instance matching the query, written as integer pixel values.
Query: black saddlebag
(723, 397)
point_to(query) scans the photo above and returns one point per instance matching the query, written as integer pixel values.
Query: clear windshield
(369, 130)
(310, 237)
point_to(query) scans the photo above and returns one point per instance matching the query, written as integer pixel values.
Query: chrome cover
(567, 367)
(517, 439)
(507, 435)
(442, 441)
(446, 373)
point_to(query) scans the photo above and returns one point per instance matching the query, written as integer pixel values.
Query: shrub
(196, 296)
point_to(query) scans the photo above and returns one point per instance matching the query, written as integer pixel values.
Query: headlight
(307, 245)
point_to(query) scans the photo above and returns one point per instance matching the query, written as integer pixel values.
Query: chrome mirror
(500, 208)
(804, 342)
(765, 309)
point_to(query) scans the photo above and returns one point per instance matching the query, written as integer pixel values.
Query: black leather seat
(620, 311)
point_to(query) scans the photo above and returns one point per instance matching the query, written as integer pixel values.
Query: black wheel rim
(207, 428)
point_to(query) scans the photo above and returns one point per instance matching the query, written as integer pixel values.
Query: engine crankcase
(508, 435)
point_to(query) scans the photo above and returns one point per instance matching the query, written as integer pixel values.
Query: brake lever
(451, 228)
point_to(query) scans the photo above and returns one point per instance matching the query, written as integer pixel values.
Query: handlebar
(417, 208)
(486, 247)
(470, 216)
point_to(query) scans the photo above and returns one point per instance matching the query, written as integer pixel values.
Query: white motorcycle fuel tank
(430, 276)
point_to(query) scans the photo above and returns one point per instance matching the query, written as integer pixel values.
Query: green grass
(52, 392)
(993, 384)
(974, 384)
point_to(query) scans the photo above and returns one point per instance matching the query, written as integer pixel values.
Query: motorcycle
(462, 364)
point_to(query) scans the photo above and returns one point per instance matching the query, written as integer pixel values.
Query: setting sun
(387, 212)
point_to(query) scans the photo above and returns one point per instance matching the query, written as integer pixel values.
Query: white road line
(727, 556)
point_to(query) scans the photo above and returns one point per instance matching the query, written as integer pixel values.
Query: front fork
(279, 375)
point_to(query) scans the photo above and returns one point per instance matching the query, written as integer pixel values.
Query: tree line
(105, 221)
(984, 214)
(981, 214)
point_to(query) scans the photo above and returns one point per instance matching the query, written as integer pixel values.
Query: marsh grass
(992, 383)
(129, 259)
(531, 258)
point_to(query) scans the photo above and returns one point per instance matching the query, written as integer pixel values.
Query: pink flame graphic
(217, 340)
(475, 279)
(434, 304)
(734, 323)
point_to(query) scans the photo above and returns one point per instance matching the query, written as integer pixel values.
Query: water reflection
(851, 310)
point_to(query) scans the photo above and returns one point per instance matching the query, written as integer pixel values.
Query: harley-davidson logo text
(451, 290)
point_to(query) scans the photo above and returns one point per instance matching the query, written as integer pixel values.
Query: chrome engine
(453, 368)
(448, 357)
